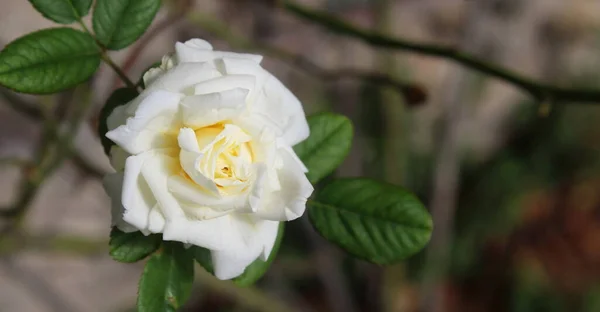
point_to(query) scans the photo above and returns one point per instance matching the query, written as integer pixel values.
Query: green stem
(118, 70)
(540, 91)
(107, 58)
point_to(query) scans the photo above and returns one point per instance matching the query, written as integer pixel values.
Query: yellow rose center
(227, 156)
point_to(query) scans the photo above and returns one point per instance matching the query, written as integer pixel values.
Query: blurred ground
(553, 40)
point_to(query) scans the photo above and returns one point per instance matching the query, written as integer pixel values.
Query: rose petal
(260, 236)
(136, 198)
(215, 234)
(189, 156)
(155, 115)
(208, 109)
(189, 191)
(278, 102)
(195, 50)
(183, 77)
(289, 202)
(225, 83)
(113, 185)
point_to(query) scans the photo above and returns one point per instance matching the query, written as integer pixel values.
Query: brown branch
(55, 147)
(538, 90)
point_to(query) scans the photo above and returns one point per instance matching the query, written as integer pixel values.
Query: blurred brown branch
(539, 90)
(34, 112)
(56, 145)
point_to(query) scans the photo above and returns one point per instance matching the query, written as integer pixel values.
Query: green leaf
(48, 61)
(327, 146)
(132, 247)
(117, 98)
(119, 23)
(258, 268)
(203, 257)
(62, 11)
(253, 272)
(167, 279)
(374, 221)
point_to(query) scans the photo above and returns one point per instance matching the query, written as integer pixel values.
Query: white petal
(156, 114)
(199, 44)
(215, 234)
(260, 236)
(151, 75)
(273, 101)
(195, 51)
(137, 198)
(235, 67)
(156, 169)
(289, 202)
(190, 156)
(156, 220)
(208, 109)
(290, 151)
(154, 73)
(113, 185)
(183, 77)
(279, 104)
(225, 83)
(192, 193)
(187, 140)
(255, 198)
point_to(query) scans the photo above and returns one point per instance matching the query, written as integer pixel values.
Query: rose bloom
(203, 155)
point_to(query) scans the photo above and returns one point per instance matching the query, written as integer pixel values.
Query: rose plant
(212, 155)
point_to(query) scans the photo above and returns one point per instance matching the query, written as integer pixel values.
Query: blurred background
(513, 184)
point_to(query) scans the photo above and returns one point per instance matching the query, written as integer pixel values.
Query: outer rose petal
(113, 185)
(207, 109)
(196, 51)
(276, 95)
(183, 77)
(136, 198)
(289, 202)
(273, 101)
(215, 234)
(145, 130)
(260, 237)
(154, 73)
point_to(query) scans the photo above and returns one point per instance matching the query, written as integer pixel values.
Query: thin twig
(32, 111)
(412, 92)
(55, 148)
(118, 71)
(105, 57)
(538, 90)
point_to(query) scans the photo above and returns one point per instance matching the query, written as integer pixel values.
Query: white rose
(203, 155)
